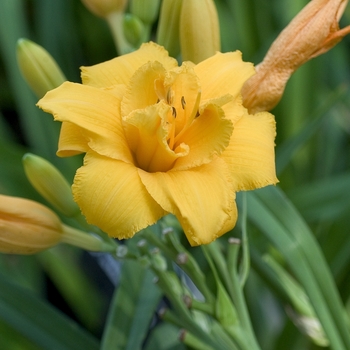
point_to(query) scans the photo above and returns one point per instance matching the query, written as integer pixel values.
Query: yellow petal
(234, 110)
(207, 136)
(202, 199)
(95, 111)
(71, 141)
(141, 91)
(112, 196)
(120, 69)
(250, 154)
(228, 73)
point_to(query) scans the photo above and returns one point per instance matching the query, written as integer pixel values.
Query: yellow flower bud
(168, 31)
(38, 67)
(146, 10)
(50, 183)
(312, 32)
(102, 8)
(27, 227)
(199, 30)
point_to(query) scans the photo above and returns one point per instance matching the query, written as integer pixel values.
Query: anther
(169, 97)
(174, 111)
(183, 102)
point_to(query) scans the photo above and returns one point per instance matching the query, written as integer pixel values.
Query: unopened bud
(146, 10)
(199, 30)
(38, 67)
(303, 314)
(133, 29)
(27, 227)
(168, 30)
(102, 8)
(50, 183)
(312, 32)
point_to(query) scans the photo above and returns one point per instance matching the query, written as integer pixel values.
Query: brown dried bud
(312, 32)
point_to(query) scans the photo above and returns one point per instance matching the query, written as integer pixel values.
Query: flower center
(179, 118)
(156, 120)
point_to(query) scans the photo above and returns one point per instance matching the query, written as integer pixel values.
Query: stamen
(173, 111)
(171, 135)
(190, 117)
(169, 97)
(183, 102)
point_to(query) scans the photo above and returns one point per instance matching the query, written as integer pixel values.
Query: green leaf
(11, 339)
(62, 266)
(291, 146)
(39, 322)
(40, 131)
(12, 178)
(323, 200)
(133, 306)
(276, 217)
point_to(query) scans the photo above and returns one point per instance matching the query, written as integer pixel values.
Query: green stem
(245, 265)
(233, 283)
(183, 317)
(190, 266)
(115, 22)
(85, 240)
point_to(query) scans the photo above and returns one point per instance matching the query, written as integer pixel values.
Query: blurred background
(312, 154)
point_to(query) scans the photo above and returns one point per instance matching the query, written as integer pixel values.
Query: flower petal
(71, 141)
(229, 73)
(202, 199)
(250, 154)
(207, 136)
(120, 69)
(112, 196)
(141, 91)
(95, 111)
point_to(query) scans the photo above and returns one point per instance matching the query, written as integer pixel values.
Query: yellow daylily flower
(161, 139)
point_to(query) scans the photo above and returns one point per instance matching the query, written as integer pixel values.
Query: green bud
(146, 10)
(199, 30)
(168, 31)
(304, 315)
(50, 183)
(158, 261)
(133, 29)
(38, 68)
(224, 309)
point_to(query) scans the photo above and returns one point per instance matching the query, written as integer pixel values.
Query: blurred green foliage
(312, 152)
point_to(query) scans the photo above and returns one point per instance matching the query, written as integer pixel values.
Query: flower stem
(85, 240)
(115, 22)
